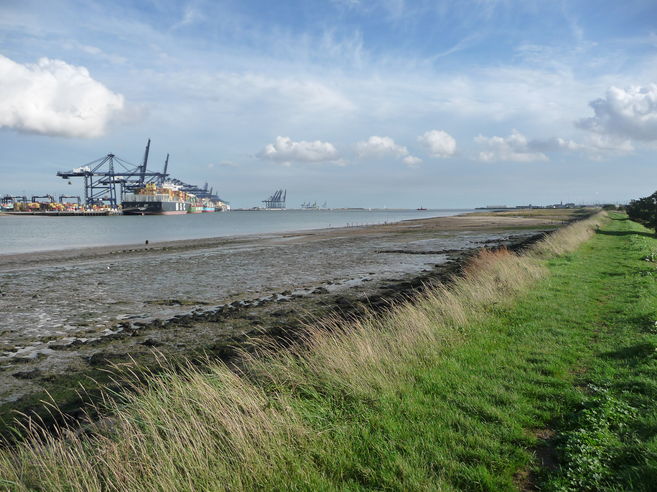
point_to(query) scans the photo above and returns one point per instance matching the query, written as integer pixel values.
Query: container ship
(209, 206)
(154, 200)
(195, 205)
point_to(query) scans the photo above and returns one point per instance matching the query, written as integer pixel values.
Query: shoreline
(152, 229)
(480, 221)
(428, 250)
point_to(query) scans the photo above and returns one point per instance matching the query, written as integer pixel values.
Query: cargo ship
(195, 205)
(208, 206)
(153, 200)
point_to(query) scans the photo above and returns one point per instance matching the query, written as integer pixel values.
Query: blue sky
(394, 103)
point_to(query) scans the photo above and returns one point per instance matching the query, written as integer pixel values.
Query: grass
(559, 214)
(454, 391)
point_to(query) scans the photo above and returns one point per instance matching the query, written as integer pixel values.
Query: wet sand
(480, 221)
(66, 315)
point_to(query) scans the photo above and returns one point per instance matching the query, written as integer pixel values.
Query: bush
(644, 211)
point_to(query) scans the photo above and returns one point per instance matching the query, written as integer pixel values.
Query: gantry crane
(108, 178)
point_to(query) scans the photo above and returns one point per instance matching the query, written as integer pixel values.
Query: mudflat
(479, 221)
(65, 316)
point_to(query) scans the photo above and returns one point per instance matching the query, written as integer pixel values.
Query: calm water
(34, 233)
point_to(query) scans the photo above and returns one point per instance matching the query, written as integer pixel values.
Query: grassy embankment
(463, 389)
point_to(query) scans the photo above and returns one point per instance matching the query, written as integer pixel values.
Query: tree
(644, 211)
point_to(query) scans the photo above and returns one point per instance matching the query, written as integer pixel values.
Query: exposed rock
(29, 374)
(151, 342)
(102, 358)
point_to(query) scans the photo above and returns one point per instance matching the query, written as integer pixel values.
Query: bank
(529, 371)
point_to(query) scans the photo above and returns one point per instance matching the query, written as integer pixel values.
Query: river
(24, 234)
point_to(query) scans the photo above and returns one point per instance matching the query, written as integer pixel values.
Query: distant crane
(61, 198)
(198, 191)
(49, 197)
(13, 199)
(277, 200)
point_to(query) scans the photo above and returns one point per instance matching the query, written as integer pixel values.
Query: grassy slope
(465, 413)
(468, 421)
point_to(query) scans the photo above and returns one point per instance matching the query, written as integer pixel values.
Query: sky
(379, 103)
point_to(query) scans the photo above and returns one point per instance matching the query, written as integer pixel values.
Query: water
(20, 234)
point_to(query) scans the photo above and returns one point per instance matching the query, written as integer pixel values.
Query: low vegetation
(528, 369)
(557, 214)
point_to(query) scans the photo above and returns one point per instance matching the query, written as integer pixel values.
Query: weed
(594, 439)
(652, 257)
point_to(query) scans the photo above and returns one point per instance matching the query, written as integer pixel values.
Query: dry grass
(210, 428)
(566, 240)
(549, 213)
(184, 430)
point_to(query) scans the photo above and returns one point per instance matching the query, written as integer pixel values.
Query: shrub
(644, 211)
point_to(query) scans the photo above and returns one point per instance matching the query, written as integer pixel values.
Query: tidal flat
(66, 316)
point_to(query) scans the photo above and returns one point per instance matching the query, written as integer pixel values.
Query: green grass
(466, 418)
(462, 390)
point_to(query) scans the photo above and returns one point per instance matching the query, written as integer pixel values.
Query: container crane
(77, 198)
(277, 200)
(108, 178)
(49, 197)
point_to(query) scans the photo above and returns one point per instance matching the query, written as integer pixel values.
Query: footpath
(553, 391)
(569, 374)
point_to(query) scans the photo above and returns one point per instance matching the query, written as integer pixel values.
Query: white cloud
(629, 113)
(286, 151)
(438, 143)
(190, 16)
(597, 145)
(52, 97)
(517, 148)
(244, 93)
(553, 144)
(376, 146)
(380, 147)
(97, 52)
(514, 148)
(412, 161)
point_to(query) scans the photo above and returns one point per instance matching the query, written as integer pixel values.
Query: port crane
(7, 199)
(277, 200)
(108, 178)
(204, 192)
(35, 198)
(61, 198)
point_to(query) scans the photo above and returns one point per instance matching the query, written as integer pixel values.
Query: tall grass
(567, 239)
(217, 428)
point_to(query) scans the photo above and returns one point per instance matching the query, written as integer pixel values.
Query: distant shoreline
(471, 221)
(189, 243)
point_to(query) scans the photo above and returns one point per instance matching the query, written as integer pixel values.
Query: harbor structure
(277, 200)
(109, 178)
(313, 206)
(111, 181)
(155, 200)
